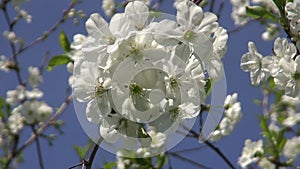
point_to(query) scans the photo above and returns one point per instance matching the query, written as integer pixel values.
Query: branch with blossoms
(278, 77)
(22, 108)
(142, 80)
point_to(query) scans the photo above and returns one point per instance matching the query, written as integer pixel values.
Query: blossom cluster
(284, 116)
(283, 66)
(27, 109)
(143, 73)
(293, 14)
(232, 116)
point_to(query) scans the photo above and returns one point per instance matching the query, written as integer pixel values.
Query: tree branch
(33, 137)
(38, 147)
(51, 30)
(93, 154)
(187, 160)
(218, 151)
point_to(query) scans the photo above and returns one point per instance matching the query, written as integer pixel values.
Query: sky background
(46, 12)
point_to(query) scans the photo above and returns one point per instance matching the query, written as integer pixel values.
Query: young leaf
(260, 12)
(58, 60)
(64, 42)
(81, 151)
(208, 86)
(2, 105)
(110, 165)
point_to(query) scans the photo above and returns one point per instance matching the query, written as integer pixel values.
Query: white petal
(203, 47)
(97, 25)
(167, 33)
(138, 14)
(215, 69)
(189, 14)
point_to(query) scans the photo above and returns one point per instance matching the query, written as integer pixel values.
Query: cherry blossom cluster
(232, 115)
(143, 73)
(293, 14)
(283, 66)
(27, 109)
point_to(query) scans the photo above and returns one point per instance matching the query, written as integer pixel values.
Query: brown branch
(240, 27)
(219, 152)
(90, 161)
(187, 160)
(51, 30)
(216, 149)
(33, 137)
(12, 45)
(39, 150)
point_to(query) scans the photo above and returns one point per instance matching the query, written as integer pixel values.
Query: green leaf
(64, 42)
(258, 102)
(161, 159)
(81, 151)
(260, 12)
(110, 165)
(208, 86)
(281, 144)
(281, 7)
(58, 60)
(2, 105)
(265, 129)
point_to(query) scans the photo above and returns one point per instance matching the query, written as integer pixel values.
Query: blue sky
(45, 13)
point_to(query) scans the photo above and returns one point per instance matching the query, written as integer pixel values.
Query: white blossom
(272, 31)
(267, 4)
(291, 148)
(292, 118)
(11, 36)
(109, 7)
(293, 14)
(256, 64)
(139, 69)
(23, 14)
(34, 94)
(157, 139)
(4, 62)
(239, 11)
(35, 78)
(266, 164)
(194, 27)
(16, 121)
(250, 153)
(35, 111)
(232, 115)
(14, 96)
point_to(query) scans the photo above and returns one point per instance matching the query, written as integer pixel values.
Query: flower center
(135, 90)
(189, 35)
(173, 82)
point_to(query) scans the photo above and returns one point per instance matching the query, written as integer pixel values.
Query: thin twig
(216, 149)
(38, 147)
(46, 34)
(212, 5)
(187, 160)
(157, 4)
(240, 27)
(12, 45)
(44, 62)
(93, 154)
(33, 137)
(189, 150)
(219, 152)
